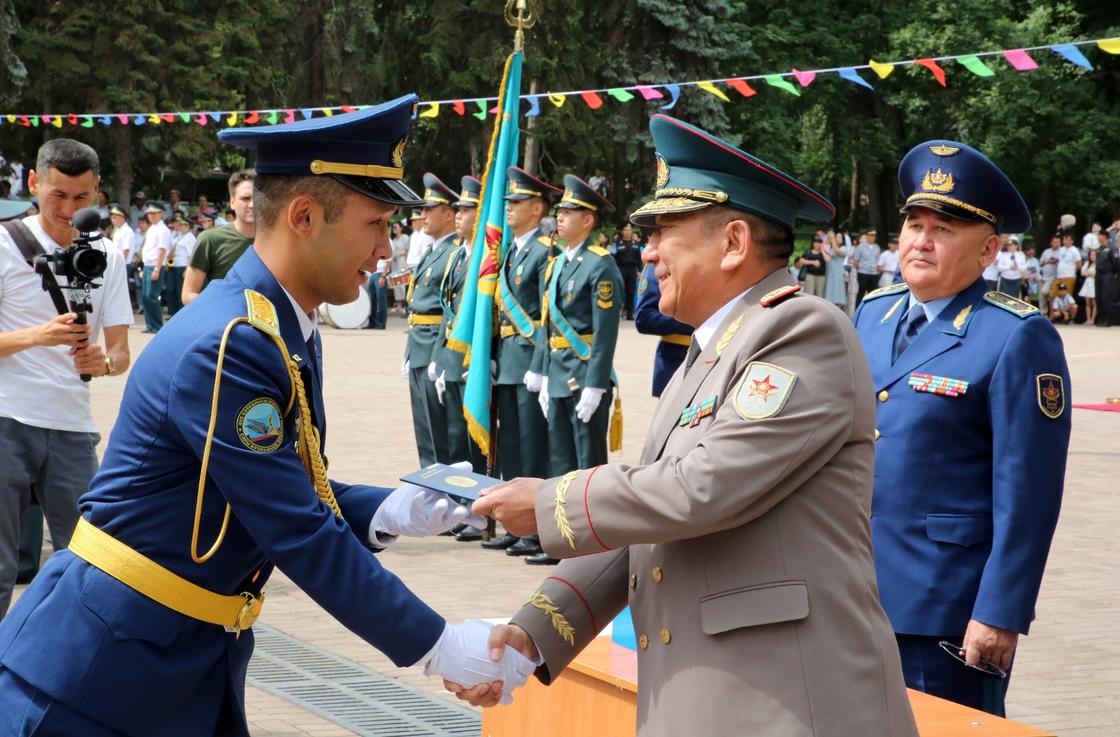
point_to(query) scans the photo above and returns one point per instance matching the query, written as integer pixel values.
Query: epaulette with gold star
(884, 291)
(1013, 305)
(778, 295)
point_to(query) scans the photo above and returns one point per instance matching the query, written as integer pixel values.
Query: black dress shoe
(454, 530)
(500, 543)
(541, 559)
(469, 534)
(524, 546)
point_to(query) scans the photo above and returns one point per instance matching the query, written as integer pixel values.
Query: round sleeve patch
(259, 427)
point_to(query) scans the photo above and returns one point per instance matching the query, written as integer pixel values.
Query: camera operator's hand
(62, 330)
(90, 359)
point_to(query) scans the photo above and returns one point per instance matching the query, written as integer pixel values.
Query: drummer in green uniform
(429, 419)
(576, 347)
(522, 430)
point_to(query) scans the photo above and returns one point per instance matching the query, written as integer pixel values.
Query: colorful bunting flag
(974, 65)
(557, 100)
(432, 110)
(592, 99)
(935, 69)
(804, 78)
(650, 93)
(777, 80)
(1072, 54)
(1111, 45)
(674, 95)
(852, 75)
(481, 114)
(1020, 59)
(534, 106)
(620, 94)
(741, 86)
(713, 90)
(458, 107)
(883, 70)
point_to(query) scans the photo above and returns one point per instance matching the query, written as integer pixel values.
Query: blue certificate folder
(462, 486)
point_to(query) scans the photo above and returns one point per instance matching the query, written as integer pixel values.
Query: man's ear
(304, 216)
(33, 182)
(989, 250)
(736, 246)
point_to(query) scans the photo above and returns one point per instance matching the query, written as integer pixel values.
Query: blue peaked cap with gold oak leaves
(696, 170)
(363, 150)
(963, 183)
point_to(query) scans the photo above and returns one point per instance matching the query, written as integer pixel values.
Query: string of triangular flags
(668, 93)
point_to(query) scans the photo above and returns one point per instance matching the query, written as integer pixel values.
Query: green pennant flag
(777, 80)
(973, 64)
(620, 94)
(481, 114)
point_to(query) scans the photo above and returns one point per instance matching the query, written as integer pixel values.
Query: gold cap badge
(943, 150)
(938, 181)
(662, 171)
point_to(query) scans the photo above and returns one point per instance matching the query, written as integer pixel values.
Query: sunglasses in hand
(984, 666)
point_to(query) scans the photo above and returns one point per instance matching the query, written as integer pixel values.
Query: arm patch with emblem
(763, 390)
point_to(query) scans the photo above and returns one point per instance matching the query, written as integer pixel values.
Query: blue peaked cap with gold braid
(363, 150)
(961, 182)
(696, 170)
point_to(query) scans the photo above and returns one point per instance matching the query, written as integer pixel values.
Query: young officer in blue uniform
(675, 335)
(214, 475)
(969, 385)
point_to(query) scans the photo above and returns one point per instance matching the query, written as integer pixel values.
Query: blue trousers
(172, 279)
(149, 299)
(928, 668)
(25, 711)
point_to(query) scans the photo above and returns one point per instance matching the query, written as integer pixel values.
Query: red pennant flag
(458, 107)
(741, 86)
(348, 108)
(24, 121)
(593, 100)
(933, 66)
(252, 118)
(167, 117)
(72, 119)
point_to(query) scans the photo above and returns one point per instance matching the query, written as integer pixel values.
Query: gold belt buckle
(250, 610)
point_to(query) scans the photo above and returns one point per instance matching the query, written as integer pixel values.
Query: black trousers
(867, 283)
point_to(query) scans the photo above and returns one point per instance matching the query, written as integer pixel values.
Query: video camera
(80, 264)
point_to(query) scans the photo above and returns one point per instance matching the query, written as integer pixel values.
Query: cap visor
(646, 215)
(516, 197)
(464, 203)
(389, 191)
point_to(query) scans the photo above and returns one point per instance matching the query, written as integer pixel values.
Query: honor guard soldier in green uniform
(576, 348)
(425, 315)
(450, 376)
(522, 430)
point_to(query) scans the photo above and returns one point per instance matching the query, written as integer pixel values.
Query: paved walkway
(1067, 675)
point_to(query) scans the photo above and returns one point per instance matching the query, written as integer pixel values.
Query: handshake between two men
(478, 662)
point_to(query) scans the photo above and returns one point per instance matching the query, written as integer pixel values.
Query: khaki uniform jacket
(741, 541)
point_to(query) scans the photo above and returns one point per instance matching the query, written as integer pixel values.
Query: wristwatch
(108, 364)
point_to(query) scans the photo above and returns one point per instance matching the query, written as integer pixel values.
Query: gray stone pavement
(1067, 676)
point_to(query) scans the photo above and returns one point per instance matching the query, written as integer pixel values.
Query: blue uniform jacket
(650, 321)
(140, 668)
(967, 487)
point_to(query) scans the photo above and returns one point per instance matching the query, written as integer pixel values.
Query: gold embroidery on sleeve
(561, 511)
(560, 623)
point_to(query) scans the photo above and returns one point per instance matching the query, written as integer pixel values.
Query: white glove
(418, 512)
(533, 381)
(462, 655)
(588, 402)
(405, 367)
(441, 386)
(542, 400)
(432, 371)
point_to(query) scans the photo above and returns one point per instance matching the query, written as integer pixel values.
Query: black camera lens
(87, 263)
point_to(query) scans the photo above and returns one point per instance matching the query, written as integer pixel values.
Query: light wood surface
(597, 695)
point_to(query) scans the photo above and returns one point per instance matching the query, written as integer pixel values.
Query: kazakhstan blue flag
(473, 330)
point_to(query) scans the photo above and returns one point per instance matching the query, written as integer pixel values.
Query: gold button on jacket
(643, 642)
(665, 636)
(884, 395)
(657, 574)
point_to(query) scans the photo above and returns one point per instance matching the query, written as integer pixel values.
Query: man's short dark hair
(245, 175)
(70, 157)
(776, 241)
(272, 191)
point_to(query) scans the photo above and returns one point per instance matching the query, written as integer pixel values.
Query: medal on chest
(693, 413)
(520, 271)
(428, 276)
(571, 285)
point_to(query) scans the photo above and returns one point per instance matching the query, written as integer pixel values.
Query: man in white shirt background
(1090, 242)
(47, 435)
(1048, 268)
(178, 258)
(419, 242)
(157, 247)
(124, 238)
(1011, 268)
(887, 263)
(1068, 266)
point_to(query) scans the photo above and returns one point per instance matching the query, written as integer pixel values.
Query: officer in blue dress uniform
(215, 474)
(969, 384)
(675, 335)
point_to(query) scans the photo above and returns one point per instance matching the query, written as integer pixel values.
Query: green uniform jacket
(424, 299)
(524, 273)
(588, 293)
(450, 362)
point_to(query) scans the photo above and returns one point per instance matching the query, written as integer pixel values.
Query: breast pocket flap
(751, 606)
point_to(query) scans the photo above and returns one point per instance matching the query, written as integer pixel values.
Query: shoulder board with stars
(779, 295)
(1013, 305)
(599, 251)
(884, 291)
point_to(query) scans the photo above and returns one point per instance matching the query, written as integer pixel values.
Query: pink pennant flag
(934, 68)
(593, 100)
(289, 116)
(348, 108)
(200, 118)
(123, 119)
(650, 93)
(1020, 59)
(804, 78)
(741, 86)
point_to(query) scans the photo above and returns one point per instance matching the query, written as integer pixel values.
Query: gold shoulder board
(262, 313)
(544, 241)
(779, 294)
(884, 291)
(599, 251)
(1012, 304)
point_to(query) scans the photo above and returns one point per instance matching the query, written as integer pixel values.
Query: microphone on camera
(87, 220)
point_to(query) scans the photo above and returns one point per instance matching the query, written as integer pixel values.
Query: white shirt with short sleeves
(39, 386)
(888, 262)
(124, 238)
(182, 249)
(157, 237)
(1049, 270)
(1067, 262)
(1011, 265)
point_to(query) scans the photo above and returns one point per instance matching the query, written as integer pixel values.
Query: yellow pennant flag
(557, 100)
(231, 119)
(154, 119)
(713, 90)
(432, 111)
(11, 118)
(1111, 45)
(883, 70)
(57, 121)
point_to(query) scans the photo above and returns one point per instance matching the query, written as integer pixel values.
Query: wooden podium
(597, 696)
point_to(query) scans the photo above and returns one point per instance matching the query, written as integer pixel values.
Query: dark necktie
(915, 321)
(693, 353)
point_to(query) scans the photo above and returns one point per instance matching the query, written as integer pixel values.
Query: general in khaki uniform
(425, 316)
(741, 539)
